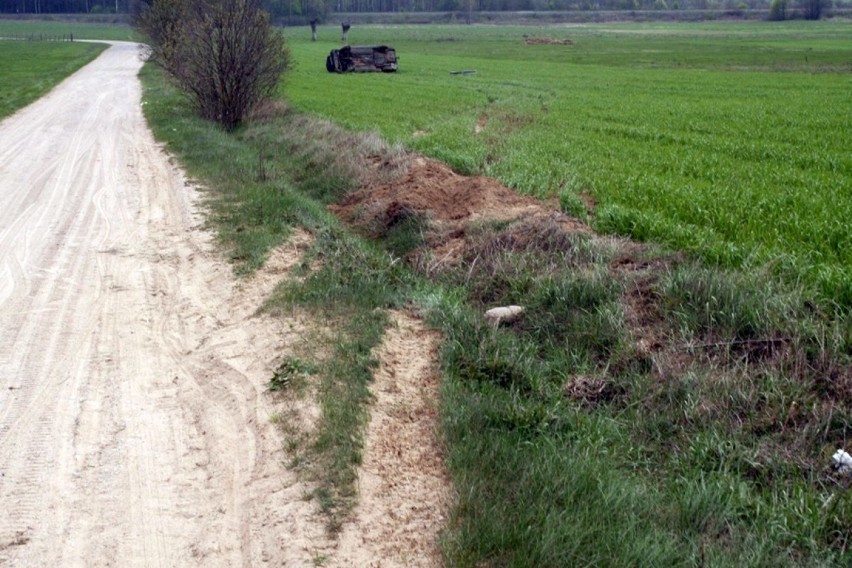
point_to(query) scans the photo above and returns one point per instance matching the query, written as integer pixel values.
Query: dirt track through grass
(403, 486)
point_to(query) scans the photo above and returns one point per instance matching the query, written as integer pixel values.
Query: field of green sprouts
(729, 140)
(31, 68)
(45, 29)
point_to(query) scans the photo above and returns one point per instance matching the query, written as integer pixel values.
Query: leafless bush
(814, 9)
(222, 53)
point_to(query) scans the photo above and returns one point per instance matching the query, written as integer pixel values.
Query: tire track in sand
(403, 486)
(134, 426)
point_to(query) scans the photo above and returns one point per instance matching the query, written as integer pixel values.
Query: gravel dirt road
(134, 426)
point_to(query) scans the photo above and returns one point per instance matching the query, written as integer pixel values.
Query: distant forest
(306, 9)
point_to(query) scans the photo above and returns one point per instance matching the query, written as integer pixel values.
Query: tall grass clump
(738, 306)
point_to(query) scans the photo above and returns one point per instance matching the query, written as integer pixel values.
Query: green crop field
(32, 63)
(729, 140)
(31, 68)
(79, 29)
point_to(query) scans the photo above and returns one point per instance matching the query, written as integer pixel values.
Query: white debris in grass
(842, 462)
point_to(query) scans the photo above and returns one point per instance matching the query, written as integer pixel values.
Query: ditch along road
(134, 421)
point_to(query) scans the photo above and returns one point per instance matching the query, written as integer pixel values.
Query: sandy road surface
(134, 428)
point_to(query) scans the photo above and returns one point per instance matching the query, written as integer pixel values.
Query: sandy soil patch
(403, 487)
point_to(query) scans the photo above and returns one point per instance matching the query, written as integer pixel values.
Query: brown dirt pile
(450, 202)
(431, 186)
(547, 41)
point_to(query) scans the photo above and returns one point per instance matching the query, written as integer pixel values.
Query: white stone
(504, 314)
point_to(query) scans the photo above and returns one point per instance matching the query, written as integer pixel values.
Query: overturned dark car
(361, 58)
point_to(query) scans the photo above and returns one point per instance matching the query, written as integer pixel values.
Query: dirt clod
(547, 41)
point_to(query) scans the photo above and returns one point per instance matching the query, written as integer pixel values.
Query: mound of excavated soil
(449, 201)
(431, 186)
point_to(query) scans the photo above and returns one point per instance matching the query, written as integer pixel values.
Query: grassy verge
(30, 69)
(275, 174)
(665, 415)
(645, 410)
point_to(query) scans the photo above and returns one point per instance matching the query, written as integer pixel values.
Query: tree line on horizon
(303, 10)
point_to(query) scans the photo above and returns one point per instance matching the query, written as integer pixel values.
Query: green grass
(79, 29)
(669, 414)
(729, 140)
(32, 63)
(697, 434)
(30, 69)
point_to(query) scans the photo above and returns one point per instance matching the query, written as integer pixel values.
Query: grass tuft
(288, 372)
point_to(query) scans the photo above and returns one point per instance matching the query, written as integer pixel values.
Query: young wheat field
(729, 140)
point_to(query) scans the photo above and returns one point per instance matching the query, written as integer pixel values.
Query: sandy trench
(134, 419)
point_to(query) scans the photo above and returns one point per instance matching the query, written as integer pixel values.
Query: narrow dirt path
(134, 427)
